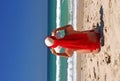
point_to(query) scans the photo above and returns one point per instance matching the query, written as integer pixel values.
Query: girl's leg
(83, 51)
(93, 36)
(88, 51)
(96, 51)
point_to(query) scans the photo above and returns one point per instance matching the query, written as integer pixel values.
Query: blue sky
(23, 27)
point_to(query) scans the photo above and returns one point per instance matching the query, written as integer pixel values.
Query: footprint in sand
(108, 59)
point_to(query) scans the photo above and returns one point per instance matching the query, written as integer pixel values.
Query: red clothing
(76, 41)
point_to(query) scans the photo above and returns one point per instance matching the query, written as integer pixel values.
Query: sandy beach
(105, 65)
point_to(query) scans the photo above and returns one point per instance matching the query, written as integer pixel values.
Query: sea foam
(72, 12)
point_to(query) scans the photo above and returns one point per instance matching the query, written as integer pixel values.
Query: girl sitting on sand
(81, 42)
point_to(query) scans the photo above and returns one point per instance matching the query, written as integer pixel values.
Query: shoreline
(80, 17)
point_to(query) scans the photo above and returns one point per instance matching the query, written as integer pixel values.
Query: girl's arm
(61, 28)
(59, 54)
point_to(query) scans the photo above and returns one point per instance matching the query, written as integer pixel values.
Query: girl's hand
(53, 32)
(53, 51)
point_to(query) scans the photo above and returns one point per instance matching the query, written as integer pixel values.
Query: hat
(49, 41)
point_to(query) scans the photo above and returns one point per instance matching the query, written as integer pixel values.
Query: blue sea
(61, 12)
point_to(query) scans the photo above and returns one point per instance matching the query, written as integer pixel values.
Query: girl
(79, 41)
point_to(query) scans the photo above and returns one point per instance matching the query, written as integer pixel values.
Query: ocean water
(61, 12)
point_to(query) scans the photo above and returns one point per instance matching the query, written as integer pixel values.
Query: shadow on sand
(101, 26)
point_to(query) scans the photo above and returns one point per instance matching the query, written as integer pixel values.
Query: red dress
(76, 41)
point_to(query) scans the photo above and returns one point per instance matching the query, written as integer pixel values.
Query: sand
(105, 65)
